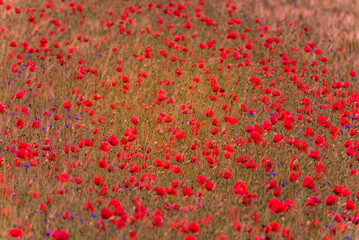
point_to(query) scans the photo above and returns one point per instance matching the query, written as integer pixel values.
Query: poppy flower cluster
(173, 119)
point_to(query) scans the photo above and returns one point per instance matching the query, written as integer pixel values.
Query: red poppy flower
(15, 232)
(352, 73)
(157, 221)
(60, 235)
(63, 177)
(106, 213)
(330, 200)
(113, 140)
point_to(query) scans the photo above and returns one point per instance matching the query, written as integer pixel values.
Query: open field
(179, 119)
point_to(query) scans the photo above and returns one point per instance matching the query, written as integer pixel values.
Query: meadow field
(179, 119)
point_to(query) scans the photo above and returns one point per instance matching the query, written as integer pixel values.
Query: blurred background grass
(334, 23)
